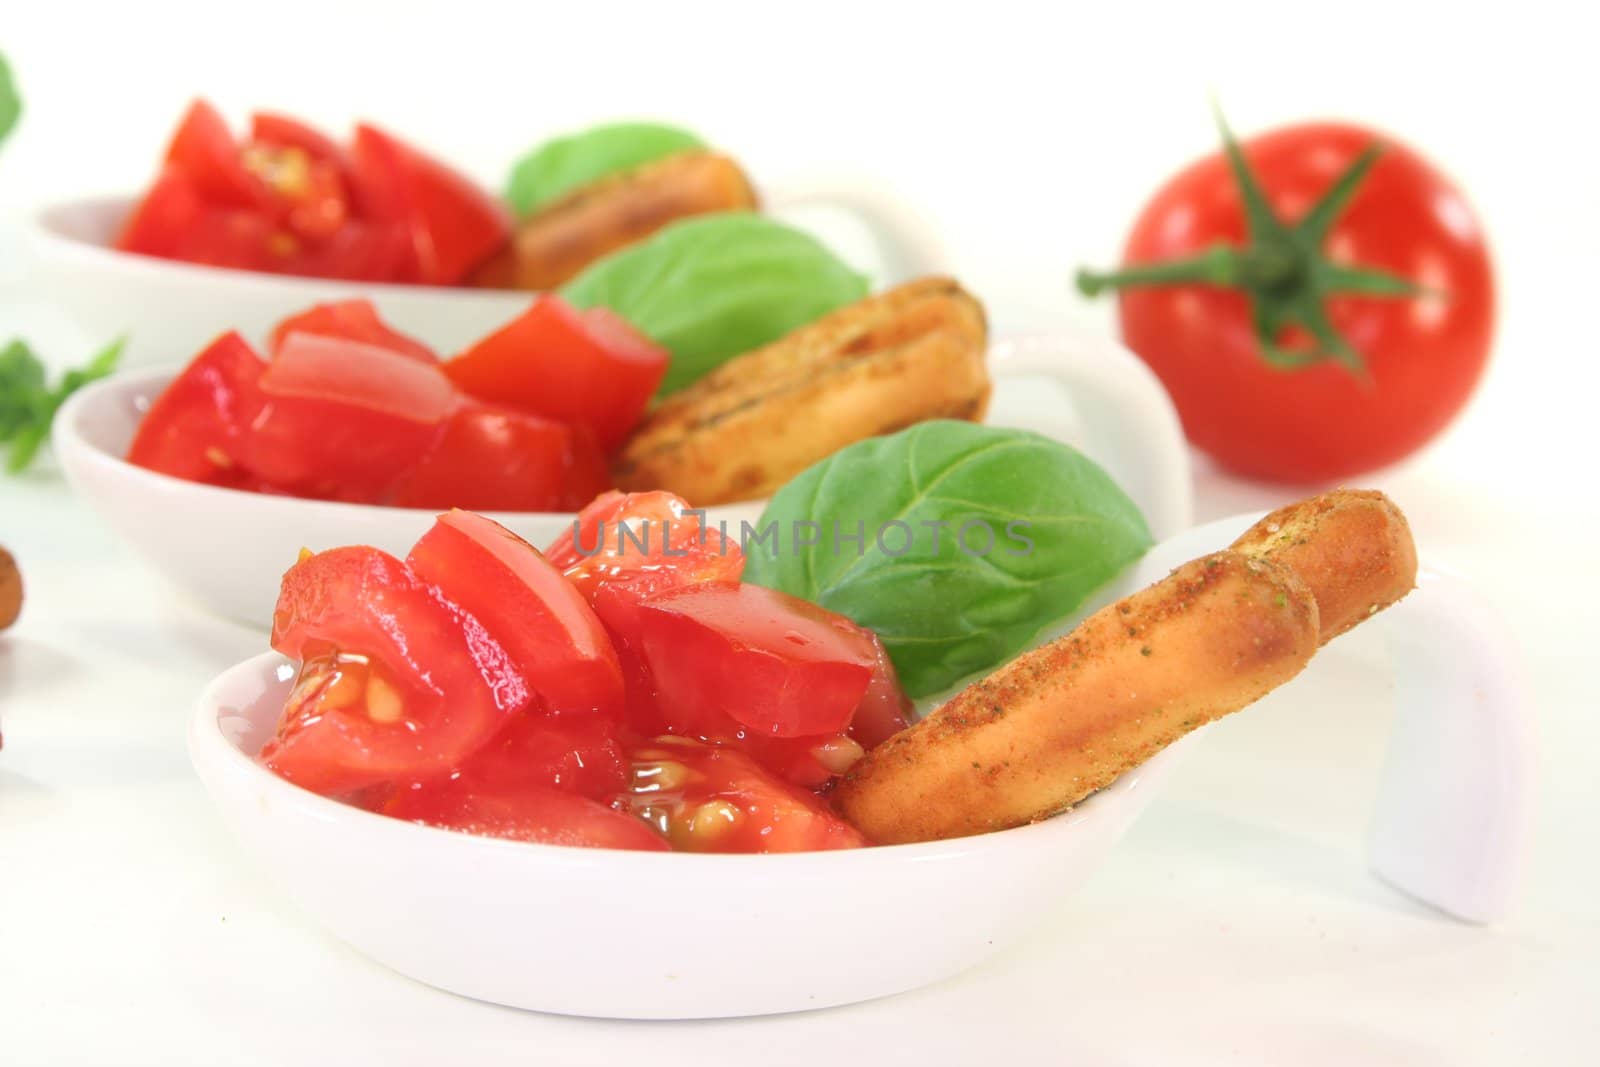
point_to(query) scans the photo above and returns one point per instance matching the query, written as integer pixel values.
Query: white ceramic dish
(168, 310)
(672, 936)
(227, 548)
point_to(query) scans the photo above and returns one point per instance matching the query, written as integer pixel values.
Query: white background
(1236, 924)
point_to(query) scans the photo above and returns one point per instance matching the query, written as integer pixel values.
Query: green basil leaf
(713, 287)
(28, 406)
(10, 101)
(1031, 528)
(559, 166)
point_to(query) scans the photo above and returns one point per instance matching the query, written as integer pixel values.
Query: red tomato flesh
(705, 799)
(453, 224)
(204, 150)
(547, 628)
(632, 545)
(353, 320)
(342, 420)
(589, 368)
(282, 131)
(393, 686)
(574, 753)
(194, 429)
(775, 663)
(523, 813)
(494, 459)
(885, 709)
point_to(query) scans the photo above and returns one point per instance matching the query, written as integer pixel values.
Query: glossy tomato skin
(547, 628)
(284, 131)
(522, 813)
(204, 149)
(397, 684)
(708, 799)
(667, 547)
(580, 754)
(195, 428)
(1320, 424)
(590, 368)
(176, 221)
(779, 666)
(885, 709)
(291, 201)
(353, 320)
(342, 420)
(491, 458)
(453, 224)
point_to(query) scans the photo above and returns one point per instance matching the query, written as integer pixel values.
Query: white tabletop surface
(1236, 923)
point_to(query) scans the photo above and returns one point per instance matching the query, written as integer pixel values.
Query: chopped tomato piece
(157, 224)
(777, 664)
(885, 710)
(353, 320)
(547, 628)
(341, 419)
(271, 128)
(584, 367)
(194, 428)
(495, 459)
(359, 251)
(175, 221)
(205, 151)
(523, 813)
(453, 224)
(576, 753)
(392, 686)
(624, 547)
(706, 799)
(305, 193)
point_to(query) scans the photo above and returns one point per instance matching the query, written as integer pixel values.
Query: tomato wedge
(885, 710)
(393, 685)
(777, 664)
(176, 221)
(706, 799)
(453, 224)
(342, 419)
(547, 628)
(195, 427)
(204, 150)
(624, 547)
(353, 320)
(584, 367)
(575, 753)
(359, 251)
(523, 813)
(495, 459)
(282, 131)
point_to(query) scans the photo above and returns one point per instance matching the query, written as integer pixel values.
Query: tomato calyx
(1281, 268)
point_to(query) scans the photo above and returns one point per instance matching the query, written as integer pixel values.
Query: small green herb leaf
(27, 404)
(988, 535)
(557, 167)
(716, 286)
(10, 100)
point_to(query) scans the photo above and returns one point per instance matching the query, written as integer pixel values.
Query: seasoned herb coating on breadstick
(1352, 547)
(1054, 725)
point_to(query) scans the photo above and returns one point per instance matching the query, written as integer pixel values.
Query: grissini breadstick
(1058, 723)
(558, 241)
(908, 354)
(1353, 547)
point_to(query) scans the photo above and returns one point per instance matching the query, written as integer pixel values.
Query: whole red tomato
(1318, 301)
